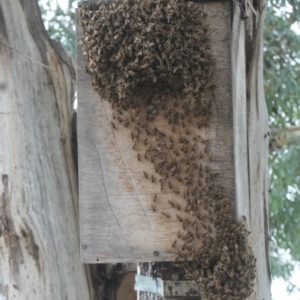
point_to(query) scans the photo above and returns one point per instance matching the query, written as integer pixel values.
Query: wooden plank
(258, 141)
(251, 190)
(117, 223)
(239, 101)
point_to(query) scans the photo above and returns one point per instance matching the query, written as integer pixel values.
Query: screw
(175, 276)
(155, 253)
(226, 13)
(83, 246)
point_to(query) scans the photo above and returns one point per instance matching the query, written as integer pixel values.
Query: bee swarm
(152, 60)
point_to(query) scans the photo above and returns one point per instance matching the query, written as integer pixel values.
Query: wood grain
(117, 223)
(252, 204)
(239, 101)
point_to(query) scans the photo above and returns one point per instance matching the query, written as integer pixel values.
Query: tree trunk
(38, 190)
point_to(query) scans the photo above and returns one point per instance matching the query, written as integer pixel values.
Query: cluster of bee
(147, 47)
(231, 275)
(151, 59)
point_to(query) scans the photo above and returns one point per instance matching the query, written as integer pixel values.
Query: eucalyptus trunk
(39, 257)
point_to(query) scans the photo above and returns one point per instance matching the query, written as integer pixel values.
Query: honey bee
(154, 198)
(171, 202)
(179, 218)
(125, 123)
(152, 178)
(166, 215)
(153, 207)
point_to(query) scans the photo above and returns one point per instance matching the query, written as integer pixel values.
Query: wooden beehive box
(126, 206)
(130, 211)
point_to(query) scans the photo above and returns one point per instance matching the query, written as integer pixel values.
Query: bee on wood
(174, 243)
(152, 178)
(179, 218)
(153, 207)
(154, 198)
(166, 214)
(171, 202)
(125, 123)
(113, 125)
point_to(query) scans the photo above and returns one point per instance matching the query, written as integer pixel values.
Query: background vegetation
(282, 88)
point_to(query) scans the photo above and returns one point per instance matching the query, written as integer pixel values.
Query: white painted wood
(39, 256)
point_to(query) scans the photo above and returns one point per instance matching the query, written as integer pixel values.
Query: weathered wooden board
(239, 104)
(258, 141)
(116, 220)
(251, 142)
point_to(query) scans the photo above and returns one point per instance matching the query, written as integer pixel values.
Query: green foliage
(60, 23)
(282, 89)
(282, 70)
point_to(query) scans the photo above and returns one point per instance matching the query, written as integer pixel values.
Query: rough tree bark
(39, 245)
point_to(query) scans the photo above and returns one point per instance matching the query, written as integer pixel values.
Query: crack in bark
(7, 229)
(31, 246)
